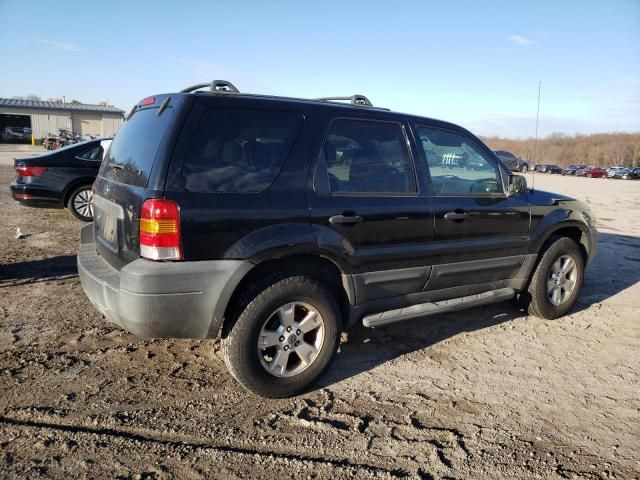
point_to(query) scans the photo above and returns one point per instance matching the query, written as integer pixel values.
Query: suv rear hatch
(134, 169)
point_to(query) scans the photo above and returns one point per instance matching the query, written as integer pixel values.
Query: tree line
(600, 149)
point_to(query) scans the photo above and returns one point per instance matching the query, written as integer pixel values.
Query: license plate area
(106, 216)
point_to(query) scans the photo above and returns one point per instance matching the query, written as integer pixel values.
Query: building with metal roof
(42, 118)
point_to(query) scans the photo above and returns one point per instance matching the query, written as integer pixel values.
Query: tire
(80, 203)
(263, 317)
(625, 177)
(589, 175)
(538, 298)
(524, 168)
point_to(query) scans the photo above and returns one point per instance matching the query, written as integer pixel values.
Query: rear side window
(364, 156)
(239, 150)
(96, 153)
(133, 150)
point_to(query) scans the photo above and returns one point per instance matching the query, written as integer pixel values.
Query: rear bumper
(160, 299)
(35, 197)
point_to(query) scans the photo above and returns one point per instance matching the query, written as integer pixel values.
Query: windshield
(133, 150)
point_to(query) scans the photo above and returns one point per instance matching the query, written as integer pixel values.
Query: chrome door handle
(455, 216)
(345, 219)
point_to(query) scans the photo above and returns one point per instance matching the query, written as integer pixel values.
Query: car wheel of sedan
(284, 338)
(625, 177)
(80, 203)
(524, 168)
(556, 282)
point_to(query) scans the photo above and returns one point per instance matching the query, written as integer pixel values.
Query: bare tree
(602, 149)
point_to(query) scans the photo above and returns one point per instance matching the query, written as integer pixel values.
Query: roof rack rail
(353, 99)
(219, 86)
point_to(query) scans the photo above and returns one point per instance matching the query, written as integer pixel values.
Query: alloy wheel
(83, 203)
(291, 339)
(562, 280)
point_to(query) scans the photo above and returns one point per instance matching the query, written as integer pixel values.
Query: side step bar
(431, 308)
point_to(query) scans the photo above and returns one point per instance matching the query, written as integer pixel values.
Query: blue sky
(473, 63)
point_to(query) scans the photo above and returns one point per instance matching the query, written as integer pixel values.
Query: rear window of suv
(239, 150)
(133, 150)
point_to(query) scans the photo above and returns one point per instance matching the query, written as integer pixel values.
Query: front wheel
(80, 203)
(284, 338)
(557, 280)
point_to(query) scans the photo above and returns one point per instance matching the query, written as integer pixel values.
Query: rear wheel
(284, 338)
(557, 280)
(80, 203)
(524, 168)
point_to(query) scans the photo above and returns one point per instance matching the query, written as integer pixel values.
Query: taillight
(29, 170)
(160, 230)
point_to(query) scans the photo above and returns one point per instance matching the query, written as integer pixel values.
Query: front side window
(368, 156)
(239, 150)
(457, 165)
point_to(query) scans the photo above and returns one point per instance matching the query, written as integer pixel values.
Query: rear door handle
(455, 216)
(345, 219)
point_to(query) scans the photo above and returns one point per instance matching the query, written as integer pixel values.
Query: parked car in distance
(276, 223)
(16, 134)
(514, 163)
(61, 178)
(572, 169)
(592, 172)
(616, 172)
(630, 174)
(548, 168)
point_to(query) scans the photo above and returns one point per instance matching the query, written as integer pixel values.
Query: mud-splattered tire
(284, 337)
(556, 281)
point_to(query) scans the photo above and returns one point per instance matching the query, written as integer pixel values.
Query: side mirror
(517, 184)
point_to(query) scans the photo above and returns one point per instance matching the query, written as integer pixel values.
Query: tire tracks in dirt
(200, 445)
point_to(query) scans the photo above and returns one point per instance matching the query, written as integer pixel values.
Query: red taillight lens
(160, 230)
(30, 171)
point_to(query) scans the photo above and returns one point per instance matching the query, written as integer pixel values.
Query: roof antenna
(535, 145)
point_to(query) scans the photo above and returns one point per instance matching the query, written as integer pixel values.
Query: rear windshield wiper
(122, 166)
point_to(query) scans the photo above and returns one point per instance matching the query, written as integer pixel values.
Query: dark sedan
(548, 168)
(629, 174)
(62, 178)
(572, 169)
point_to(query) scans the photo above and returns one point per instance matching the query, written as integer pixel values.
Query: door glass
(94, 153)
(457, 165)
(238, 150)
(367, 156)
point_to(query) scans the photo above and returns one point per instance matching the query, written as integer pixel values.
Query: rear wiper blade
(122, 166)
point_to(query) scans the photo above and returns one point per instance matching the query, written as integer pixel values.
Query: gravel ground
(486, 393)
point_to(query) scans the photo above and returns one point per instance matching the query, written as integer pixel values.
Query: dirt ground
(487, 393)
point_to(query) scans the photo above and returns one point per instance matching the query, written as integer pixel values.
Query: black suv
(275, 223)
(514, 163)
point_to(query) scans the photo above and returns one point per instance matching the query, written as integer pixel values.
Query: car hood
(542, 197)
